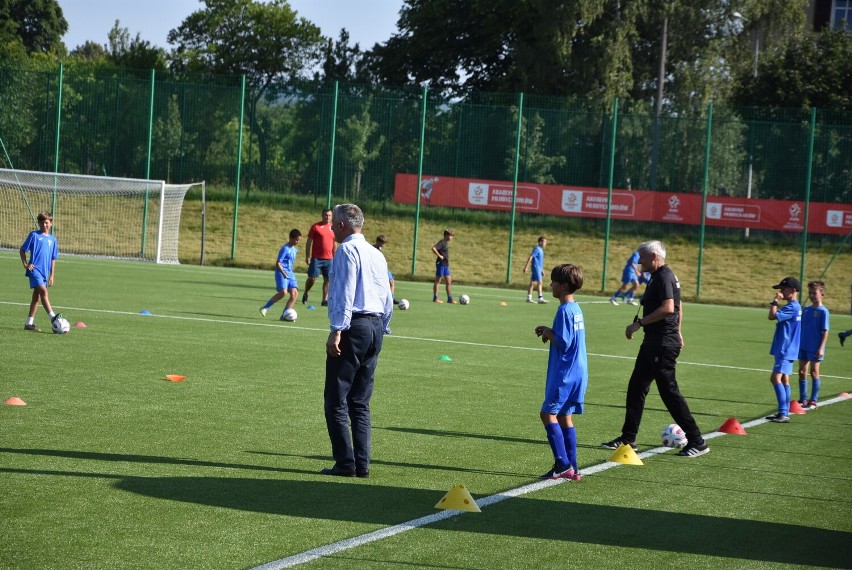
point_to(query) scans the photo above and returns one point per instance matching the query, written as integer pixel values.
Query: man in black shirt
(661, 318)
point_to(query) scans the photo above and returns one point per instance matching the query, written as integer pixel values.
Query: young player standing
(785, 343)
(41, 267)
(535, 262)
(285, 279)
(812, 344)
(567, 372)
(442, 267)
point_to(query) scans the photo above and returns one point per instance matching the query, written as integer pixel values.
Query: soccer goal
(121, 218)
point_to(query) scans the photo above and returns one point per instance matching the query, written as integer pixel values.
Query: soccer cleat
(32, 328)
(576, 476)
(842, 337)
(558, 472)
(633, 302)
(437, 301)
(324, 303)
(811, 405)
(618, 442)
(803, 403)
(779, 419)
(452, 302)
(305, 298)
(613, 301)
(529, 300)
(263, 311)
(542, 301)
(694, 449)
(56, 316)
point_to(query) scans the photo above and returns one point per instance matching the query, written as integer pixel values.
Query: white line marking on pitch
(356, 541)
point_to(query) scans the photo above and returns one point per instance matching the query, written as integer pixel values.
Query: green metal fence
(337, 142)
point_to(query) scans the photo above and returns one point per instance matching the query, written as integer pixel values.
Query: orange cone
(15, 401)
(733, 427)
(796, 408)
(845, 395)
(175, 378)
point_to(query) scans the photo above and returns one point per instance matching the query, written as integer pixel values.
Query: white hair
(350, 214)
(654, 247)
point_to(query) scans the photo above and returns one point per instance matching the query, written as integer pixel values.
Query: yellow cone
(625, 454)
(458, 498)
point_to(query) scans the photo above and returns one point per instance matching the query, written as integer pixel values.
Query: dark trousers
(348, 389)
(657, 363)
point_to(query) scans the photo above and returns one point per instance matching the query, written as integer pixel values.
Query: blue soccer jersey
(537, 259)
(629, 273)
(788, 329)
(567, 365)
(287, 258)
(43, 250)
(814, 324)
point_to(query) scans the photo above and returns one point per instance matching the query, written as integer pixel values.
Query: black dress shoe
(365, 474)
(337, 472)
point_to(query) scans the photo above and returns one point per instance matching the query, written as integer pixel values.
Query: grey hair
(350, 214)
(654, 247)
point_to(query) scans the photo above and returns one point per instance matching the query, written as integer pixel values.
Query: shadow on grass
(461, 434)
(774, 542)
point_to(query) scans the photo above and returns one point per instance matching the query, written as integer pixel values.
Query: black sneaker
(775, 417)
(779, 419)
(558, 472)
(842, 338)
(305, 298)
(694, 449)
(618, 442)
(56, 316)
(32, 328)
(324, 303)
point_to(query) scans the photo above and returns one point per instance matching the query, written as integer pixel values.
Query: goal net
(121, 218)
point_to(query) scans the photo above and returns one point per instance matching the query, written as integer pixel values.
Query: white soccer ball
(673, 436)
(464, 300)
(403, 304)
(290, 315)
(60, 326)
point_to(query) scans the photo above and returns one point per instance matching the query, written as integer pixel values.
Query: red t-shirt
(322, 246)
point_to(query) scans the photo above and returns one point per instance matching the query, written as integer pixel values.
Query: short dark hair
(568, 274)
(294, 233)
(42, 216)
(541, 238)
(381, 239)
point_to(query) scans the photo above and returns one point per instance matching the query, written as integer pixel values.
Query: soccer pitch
(111, 466)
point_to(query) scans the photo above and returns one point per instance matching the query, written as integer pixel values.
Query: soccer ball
(464, 300)
(403, 304)
(60, 326)
(289, 315)
(673, 436)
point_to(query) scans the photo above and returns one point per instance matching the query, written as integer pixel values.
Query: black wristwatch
(774, 303)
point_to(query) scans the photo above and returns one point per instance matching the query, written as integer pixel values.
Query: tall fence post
(58, 128)
(609, 190)
(808, 194)
(148, 161)
(706, 184)
(515, 184)
(333, 142)
(239, 166)
(419, 181)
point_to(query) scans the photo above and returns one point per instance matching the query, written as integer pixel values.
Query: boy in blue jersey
(535, 262)
(41, 267)
(629, 276)
(812, 344)
(442, 267)
(567, 372)
(785, 343)
(285, 279)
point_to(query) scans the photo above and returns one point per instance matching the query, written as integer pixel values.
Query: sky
(368, 21)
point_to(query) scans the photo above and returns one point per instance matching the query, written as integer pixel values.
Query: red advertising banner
(637, 205)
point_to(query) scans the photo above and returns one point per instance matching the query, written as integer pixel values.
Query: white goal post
(120, 218)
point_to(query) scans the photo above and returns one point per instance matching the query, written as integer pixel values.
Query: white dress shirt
(358, 283)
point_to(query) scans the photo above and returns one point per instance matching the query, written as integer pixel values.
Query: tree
(343, 62)
(355, 142)
(171, 140)
(36, 24)
(136, 53)
(266, 42)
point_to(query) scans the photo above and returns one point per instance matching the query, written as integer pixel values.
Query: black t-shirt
(663, 285)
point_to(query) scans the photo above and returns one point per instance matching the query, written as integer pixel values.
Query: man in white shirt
(360, 306)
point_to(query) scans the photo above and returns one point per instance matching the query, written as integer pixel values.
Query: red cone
(796, 408)
(733, 427)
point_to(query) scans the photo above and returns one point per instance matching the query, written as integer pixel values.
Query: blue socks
(803, 389)
(557, 443)
(570, 437)
(815, 389)
(782, 395)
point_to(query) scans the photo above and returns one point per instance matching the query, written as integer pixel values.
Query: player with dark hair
(567, 372)
(815, 326)
(442, 267)
(785, 343)
(535, 263)
(285, 279)
(41, 267)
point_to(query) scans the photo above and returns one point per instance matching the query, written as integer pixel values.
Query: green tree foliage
(358, 144)
(136, 53)
(37, 25)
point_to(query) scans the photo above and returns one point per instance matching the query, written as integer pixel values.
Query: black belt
(366, 316)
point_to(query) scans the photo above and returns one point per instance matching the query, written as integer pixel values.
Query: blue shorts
(318, 266)
(629, 276)
(562, 408)
(535, 274)
(282, 284)
(442, 270)
(36, 280)
(783, 366)
(809, 355)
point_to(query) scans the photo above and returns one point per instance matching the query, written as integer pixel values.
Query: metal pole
(239, 166)
(704, 197)
(56, 143)
(808, 194)
(333, 139)
(515, 184)
(609, 190)
(419, 182)
(148, 166)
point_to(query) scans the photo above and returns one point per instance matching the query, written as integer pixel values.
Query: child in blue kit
(567, 372)
(629, 276)
(785, 343)
(535, 263)
(285, 279)
(815, 321)
(41, 267)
